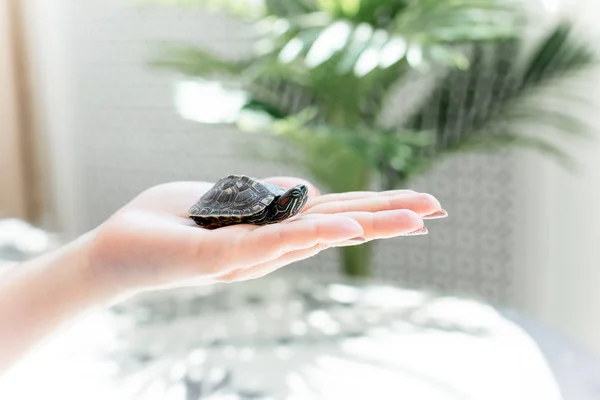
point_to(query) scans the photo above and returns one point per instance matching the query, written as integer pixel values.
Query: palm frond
(289, 8)
(251, 9)
(379, 13)
(194, 61)
(558, 54)
(438, 21)
(497, 98)
(420, 24)
(323, 152)
(330, 50)
(361, 146)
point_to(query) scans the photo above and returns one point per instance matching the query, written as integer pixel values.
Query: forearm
(40, 295)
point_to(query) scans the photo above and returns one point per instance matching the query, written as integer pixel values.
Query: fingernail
(358, 239)
(421, 231)
(351, 242)
(438, 214)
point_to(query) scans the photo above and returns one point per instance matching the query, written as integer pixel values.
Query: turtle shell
(233, 199)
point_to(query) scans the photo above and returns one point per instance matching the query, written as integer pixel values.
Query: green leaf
(260, 106)
(193, 61)
(457, 21)
(444, 55)
(370, 56)
(330, 154)
(289, 8)
(557, 54)
(330, 41)
(340, 8)
(359, 41)
(379, 13)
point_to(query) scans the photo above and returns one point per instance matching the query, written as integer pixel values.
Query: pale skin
(150, 244)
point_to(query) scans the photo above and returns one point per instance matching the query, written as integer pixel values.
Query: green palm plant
(324, 71)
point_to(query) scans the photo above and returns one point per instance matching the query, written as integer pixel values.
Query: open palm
(151, 243)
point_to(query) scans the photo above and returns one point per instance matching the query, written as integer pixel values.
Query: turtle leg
(216, 222)
(206, 222)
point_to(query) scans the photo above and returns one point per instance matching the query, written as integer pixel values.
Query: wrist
(104, 290)
(71, 263)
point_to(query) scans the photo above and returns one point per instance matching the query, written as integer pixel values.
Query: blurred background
(492, 107)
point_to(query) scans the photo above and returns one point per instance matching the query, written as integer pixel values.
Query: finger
(288, 182)
(263, 269)
(383, 224)
(421, 203)
(352, 196)
(243, 247)
(266, 268)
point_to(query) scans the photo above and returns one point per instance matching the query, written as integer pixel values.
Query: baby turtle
(239, 199)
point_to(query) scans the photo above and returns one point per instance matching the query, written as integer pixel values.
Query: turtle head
(293, 200)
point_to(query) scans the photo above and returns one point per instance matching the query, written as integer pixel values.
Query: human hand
(151, 243)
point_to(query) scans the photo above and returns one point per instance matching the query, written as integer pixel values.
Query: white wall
(558, 241)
